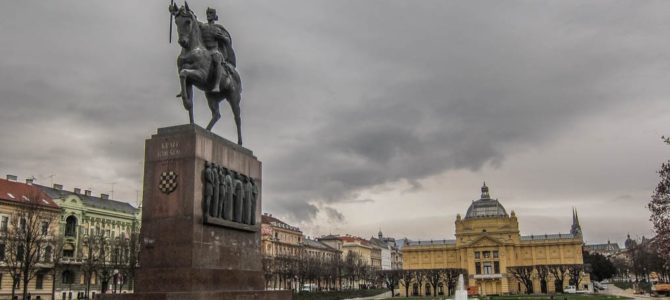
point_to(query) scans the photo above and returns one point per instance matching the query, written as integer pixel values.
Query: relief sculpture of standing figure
(209, 187)
(238, 198)
(228, 200)
(254, 200)
(220, 210)
(215, 191)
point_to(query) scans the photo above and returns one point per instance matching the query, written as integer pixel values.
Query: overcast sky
(365, 114)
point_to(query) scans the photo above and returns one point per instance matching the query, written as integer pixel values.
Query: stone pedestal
(186, 254)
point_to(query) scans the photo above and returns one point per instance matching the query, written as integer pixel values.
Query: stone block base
(221, 295)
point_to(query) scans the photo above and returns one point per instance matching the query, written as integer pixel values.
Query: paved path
(616, 291)
(385, 295)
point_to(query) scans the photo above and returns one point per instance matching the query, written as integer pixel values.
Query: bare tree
(524, 275)
(419, 277)
(451, 277)
(543, 275)
(406, 276)
(434, 276)
(54, 254)
(390, 279)
(558, 272)
(29, 232)
(90, 253)
(660, 212)
(575, 272)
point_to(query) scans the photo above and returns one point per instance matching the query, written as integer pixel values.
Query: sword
(171, 4)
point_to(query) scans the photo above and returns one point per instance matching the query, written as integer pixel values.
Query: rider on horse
(217, 40)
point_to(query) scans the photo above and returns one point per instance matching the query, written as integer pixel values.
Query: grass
(531, 297)
(338, 295)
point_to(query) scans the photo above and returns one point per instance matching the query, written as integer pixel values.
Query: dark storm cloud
(460, 87)
(339, 96)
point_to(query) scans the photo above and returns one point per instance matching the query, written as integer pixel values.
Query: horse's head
(187, 25)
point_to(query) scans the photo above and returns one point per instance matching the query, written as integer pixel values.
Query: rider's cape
(227, 50)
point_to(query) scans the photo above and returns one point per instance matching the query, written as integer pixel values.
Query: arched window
(68, 277)
(71, 226)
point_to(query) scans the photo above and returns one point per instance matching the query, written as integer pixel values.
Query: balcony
(488, 276)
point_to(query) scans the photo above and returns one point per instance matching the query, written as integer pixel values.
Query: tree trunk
(25, 285)
(14, 282)
(53, 285)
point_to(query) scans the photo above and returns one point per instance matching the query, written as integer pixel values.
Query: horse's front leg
(186, 93)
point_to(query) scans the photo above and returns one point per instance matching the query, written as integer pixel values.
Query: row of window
(4, 225)
(486, 254)
(71, 229)
(39, 281)
(487, 267)
(41, 255)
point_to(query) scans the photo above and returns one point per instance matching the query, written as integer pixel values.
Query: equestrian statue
(208, 62)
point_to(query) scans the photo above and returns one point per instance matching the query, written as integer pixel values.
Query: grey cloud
(339, 96)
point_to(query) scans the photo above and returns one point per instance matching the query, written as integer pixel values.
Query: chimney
(29, 181)
(104, 196)
(77, 190)
(87, 192)
(12, 177)
(58, 186)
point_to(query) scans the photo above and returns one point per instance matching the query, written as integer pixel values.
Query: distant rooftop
(23, 193)
(269, 219)
(539, 237)
(89, 200)
(431, 242)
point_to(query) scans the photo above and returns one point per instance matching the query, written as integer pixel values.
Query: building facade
(497, 258)
(100, 243)
(293, 261)
(27, 234)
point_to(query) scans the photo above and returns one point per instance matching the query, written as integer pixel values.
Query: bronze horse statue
(197, 67)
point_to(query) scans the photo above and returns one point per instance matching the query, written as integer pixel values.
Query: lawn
(338, 295)
(529, 297)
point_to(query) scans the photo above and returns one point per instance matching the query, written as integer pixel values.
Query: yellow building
(28, 228)
(279, 238)
(497, 259)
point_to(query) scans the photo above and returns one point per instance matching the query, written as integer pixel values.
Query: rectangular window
(477, 254)
(488, 269)
(45, 228)
(39, 281)
(487, 254)
(4, 221)
(495, 254)
(22, 224)
(496, 267)
(68, 253)
(478, 268)
(2, 252)
(19, 253)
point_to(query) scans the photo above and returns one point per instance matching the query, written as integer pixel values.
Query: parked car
(571, 289)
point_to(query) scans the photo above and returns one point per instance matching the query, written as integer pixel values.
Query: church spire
(576, 229)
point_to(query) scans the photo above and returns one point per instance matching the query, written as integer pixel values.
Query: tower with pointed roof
(576, 229)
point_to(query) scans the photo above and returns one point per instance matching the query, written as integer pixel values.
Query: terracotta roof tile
(19, 192)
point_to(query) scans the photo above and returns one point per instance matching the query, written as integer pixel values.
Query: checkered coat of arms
(168, 182)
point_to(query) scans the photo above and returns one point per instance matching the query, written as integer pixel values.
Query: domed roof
(485, 207)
